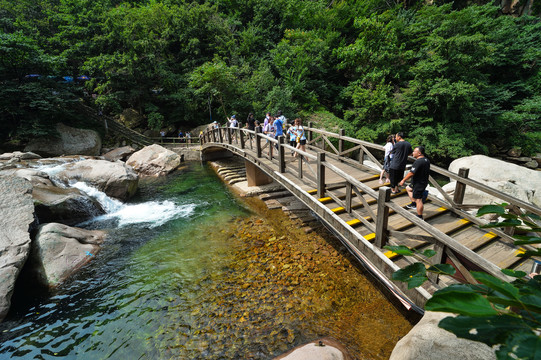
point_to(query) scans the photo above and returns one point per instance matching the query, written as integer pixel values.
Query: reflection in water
(210, 282)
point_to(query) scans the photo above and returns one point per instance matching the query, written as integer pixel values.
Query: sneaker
(420, 216)
(411, 206)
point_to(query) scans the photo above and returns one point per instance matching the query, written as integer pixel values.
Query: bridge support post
(320, 174)
(220, 135)
(309, 133)
(382, 219)
(460, 188)
(281, 155)
(342, 133)
(255, 176)
(213, 135)
(229, 136)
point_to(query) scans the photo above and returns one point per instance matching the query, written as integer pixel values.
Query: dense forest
(457, 77)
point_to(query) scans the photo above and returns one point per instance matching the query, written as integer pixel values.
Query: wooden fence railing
(314, 169)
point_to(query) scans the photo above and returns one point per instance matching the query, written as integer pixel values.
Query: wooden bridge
(332, 178)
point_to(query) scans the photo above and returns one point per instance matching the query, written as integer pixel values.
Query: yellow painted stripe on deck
(464, 221)
(441, 209)
(324, 199)
(370, 237)
(353, 222)
(312, 191)
(338, 209)
(519, 251)
(390, 254)
(490, 235)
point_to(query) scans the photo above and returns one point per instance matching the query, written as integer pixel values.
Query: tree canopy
(458, 78)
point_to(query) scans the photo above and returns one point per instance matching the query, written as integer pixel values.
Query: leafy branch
(492, 311)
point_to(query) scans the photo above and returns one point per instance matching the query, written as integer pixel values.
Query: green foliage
(458, 82)
(492, 311)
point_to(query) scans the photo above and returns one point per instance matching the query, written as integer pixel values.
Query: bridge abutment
(255, 176)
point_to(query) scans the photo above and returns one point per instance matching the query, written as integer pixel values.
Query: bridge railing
(313, 169)
(172, 140)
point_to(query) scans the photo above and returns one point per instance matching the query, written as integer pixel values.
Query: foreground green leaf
(445, 269)
(461, 300)
(414, 275)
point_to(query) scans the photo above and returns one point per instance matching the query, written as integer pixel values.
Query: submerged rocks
(154, 160)
(71, 141)
(59, 250)
(116, 179)
(17, 212)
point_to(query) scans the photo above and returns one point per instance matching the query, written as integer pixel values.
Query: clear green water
(204, 285)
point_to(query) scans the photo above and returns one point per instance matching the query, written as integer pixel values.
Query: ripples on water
(155, 289)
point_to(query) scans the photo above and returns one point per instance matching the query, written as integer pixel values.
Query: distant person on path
(401, 151)
(420, 170)
(292, 132)
(233, 122)
(301, 136)
(258, 128)
(387, 159)
(250, 121)
(278, 127)
(189, 137)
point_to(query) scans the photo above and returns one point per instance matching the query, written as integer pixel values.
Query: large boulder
(71, 141)
(426, 341)
(57, 204)
(154, 160)
(17, 216)
(116, 179)
(514, 180)
(121, 153)
(59, 250)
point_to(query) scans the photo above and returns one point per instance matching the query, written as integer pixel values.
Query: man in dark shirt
(400, 153)
(420, 170)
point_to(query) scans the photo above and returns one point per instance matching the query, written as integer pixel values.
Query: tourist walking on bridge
(401, 151)
(420, 170)
(387, 159)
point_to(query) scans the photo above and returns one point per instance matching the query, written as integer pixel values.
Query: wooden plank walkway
(348, 198)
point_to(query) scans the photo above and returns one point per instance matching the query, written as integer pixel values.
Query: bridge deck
(344, 193)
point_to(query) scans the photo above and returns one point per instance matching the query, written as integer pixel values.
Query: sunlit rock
(426, 341)
(17, 215)
(324, 349)
(121, 153)
(57, 204)
(514, 180)
(59, 250)
(113, 178)
(154, 160)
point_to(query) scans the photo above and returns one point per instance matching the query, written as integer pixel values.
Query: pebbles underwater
(281, 288)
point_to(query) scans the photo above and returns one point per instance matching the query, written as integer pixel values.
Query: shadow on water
(216, 282)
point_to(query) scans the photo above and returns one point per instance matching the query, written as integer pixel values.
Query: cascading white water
(154, 213)
(151, 213)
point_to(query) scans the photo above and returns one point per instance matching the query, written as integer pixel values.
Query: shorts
(293, 143)
(396, 176)
(418, 190)
(386, 164)
(302, 142)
